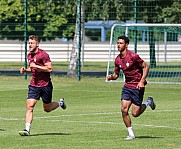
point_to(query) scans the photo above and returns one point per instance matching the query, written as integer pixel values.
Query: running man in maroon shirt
(135, 71)
(40, 86)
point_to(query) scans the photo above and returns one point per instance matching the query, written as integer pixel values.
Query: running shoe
(24, 132)
(62, 103)
(152, 103)
(130, 138)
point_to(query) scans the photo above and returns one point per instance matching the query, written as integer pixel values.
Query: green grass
(172, 66)
(58, 65)
(92, 119)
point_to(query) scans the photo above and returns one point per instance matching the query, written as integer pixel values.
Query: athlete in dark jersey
(131, 67)
(40, 86)
(135, 71)
(39, 78)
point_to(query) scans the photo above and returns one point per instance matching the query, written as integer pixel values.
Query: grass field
(92, 119)
(102, 66)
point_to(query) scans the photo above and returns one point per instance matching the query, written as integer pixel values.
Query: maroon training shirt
(39, 78)
(131, 66)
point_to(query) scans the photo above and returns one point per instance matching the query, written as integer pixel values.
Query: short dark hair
(126, 39)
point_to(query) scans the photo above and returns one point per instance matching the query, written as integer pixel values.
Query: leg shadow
(51, 134)
(147, 137)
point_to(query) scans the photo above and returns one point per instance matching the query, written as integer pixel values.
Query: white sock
(28, 126)
(130, 131)
(147, 103)
(60, 104)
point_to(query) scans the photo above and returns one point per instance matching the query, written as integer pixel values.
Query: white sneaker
(63, 105)
(152, 104)
(130, 138)
(24, 132)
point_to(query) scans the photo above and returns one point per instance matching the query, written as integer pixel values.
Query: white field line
(68, 115)
(115, 123)
(84, 114)
(96, 122)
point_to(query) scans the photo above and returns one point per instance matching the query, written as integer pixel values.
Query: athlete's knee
(124, 111)
(30, 104)
(46, 109)
(29, 107)
(135, 113)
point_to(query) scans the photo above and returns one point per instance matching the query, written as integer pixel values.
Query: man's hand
(113, 76)
(110, 77)
(140, 85)
(22, 70)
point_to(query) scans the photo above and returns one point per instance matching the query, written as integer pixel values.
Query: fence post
(135, 28)
(80, 39)
(25, 35)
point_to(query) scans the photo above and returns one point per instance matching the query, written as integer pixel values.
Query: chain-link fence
(54, 21)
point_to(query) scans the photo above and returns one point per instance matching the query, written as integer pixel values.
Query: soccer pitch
(92, 119)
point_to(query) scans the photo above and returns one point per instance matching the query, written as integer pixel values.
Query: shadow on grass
(51, 134)
(147, 137)
(2, 130)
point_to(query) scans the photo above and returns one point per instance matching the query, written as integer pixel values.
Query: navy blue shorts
(44, 92)
(135, 95)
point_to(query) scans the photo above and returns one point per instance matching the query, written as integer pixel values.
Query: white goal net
(157, 44)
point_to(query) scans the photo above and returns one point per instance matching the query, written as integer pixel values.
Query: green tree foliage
(171, 13)
(52, 19)
(106, 10)
(11, 21)
(47, 18)
(146, 10)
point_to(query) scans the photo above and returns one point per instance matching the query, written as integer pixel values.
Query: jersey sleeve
(116, 65)
(30, 60)
(138, 60)
(46, 57)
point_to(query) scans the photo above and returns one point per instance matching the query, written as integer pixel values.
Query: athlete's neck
(35, 51)
(123, 53)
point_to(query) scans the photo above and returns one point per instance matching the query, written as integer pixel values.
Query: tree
(52, 19)
(171, 13)
(101, 13)
(46, 18)
(11, 11)
(75, 53)
(150, 15)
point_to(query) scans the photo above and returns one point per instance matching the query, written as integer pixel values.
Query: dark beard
(33, 50)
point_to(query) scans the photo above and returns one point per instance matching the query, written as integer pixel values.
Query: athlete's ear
(127, 45)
